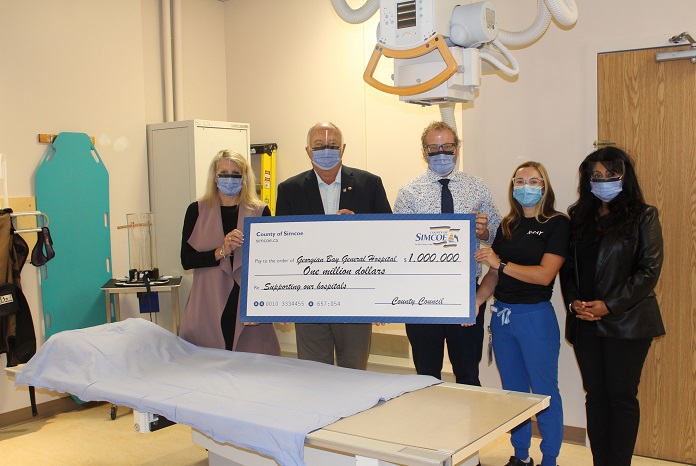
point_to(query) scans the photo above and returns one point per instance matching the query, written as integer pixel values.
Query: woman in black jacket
(608, 286)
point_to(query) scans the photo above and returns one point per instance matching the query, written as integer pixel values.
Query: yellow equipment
(263, 162)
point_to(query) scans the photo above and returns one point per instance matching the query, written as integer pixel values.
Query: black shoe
(515, 461)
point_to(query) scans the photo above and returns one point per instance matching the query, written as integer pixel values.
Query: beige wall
(291, 64)
(94, 67)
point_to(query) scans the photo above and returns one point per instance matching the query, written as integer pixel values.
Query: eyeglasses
(228, 175)
(533, 182)
(597, 179)
(433, 148)
(325, 147)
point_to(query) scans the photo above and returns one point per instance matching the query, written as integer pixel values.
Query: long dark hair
(624, 208)
(544, 210)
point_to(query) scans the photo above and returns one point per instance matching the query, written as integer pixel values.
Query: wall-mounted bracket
(49, 138)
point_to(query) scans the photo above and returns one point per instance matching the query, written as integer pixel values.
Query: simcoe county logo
(439, 236)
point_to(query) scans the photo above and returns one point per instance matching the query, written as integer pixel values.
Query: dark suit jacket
(361, 191)
(626, 273)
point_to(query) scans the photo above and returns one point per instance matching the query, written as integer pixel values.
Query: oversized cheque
(359, 268)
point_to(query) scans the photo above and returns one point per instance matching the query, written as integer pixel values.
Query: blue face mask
(441, 163)
(229, 186)
(527, 196)
(606, 191)
(326, 158)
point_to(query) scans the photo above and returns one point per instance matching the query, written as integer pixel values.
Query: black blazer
(626, 273)
(361, 191)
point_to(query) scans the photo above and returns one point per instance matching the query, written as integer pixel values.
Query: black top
(530, 241)
(587, 250)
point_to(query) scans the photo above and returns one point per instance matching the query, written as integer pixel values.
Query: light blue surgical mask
(606, 191)
(229, 186)
(441, 163)
(326, 158)
(527, 196)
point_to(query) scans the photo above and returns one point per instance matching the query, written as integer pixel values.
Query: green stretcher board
(72, 189)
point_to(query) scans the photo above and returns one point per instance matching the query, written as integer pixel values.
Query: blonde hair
(438, 126)
(543, 211)
(247, 196)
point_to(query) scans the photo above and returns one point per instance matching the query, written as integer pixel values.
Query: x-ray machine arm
(438, 45)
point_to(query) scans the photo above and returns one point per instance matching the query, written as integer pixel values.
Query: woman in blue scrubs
(529, 248)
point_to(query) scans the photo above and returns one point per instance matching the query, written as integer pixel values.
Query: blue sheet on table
(264, 403)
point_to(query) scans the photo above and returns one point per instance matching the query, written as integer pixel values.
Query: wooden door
(649, 109)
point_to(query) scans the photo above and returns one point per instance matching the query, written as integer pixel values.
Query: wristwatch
(501, 266)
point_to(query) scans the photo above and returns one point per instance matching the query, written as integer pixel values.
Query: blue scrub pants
(527, 344)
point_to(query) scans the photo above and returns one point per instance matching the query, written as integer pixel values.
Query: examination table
(250, 409)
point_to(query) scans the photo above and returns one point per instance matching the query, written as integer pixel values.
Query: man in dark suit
(331, 188)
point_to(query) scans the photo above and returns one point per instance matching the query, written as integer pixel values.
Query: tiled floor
(89, 437)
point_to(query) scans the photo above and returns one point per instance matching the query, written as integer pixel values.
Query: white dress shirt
(330, 193)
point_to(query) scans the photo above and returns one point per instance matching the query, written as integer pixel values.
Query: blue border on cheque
(359, 268)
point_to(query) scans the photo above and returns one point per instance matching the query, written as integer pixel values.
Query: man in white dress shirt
(331, 188)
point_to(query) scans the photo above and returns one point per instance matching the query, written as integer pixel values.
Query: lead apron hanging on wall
(72, 188)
